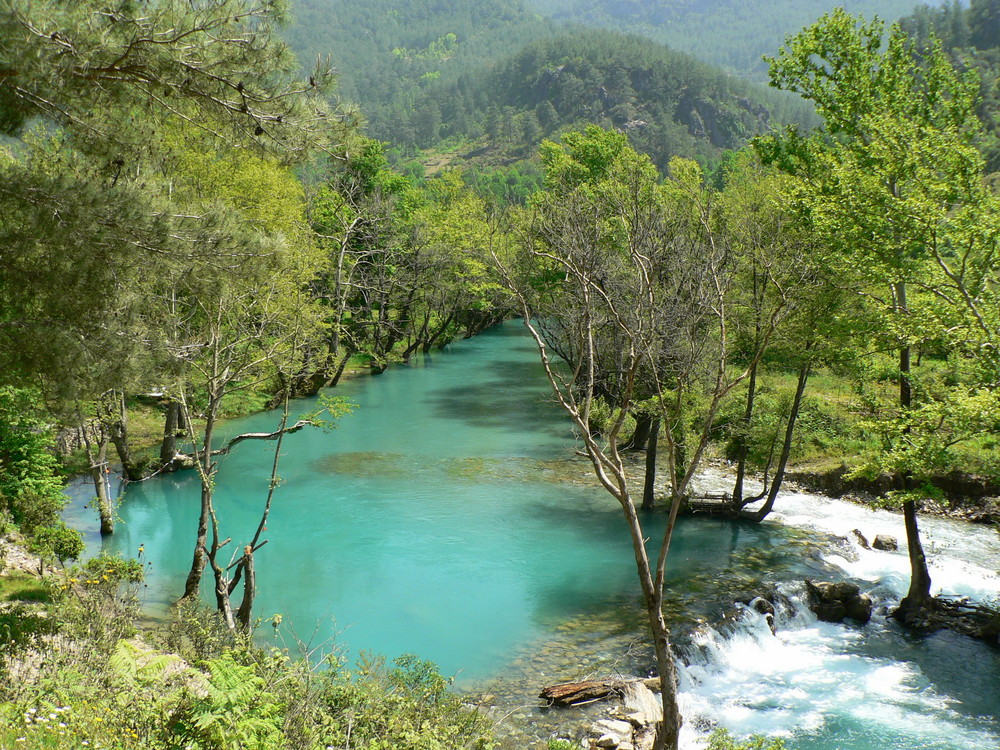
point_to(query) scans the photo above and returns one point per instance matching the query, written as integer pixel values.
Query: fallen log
(573, 693)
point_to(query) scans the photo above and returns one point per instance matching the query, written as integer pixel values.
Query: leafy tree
(31, 490)
(894, 185)
(629, 281)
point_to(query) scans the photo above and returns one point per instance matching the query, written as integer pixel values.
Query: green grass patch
(19, 587)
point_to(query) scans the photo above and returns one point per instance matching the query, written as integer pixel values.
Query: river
(449, 516)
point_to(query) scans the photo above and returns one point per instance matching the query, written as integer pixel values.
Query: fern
(132, 661)
(238, 713)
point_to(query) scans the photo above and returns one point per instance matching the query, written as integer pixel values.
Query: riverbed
(449, 516)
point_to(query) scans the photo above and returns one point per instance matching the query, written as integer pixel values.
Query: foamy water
(825, 686)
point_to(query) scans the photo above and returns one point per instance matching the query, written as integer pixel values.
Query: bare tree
(628, 283)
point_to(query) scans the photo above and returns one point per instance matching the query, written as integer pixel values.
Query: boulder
(885, 543)
(833, 601)
(609, 740)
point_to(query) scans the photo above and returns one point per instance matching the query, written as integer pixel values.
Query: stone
(832, 602)
(885, 542)
(612, 726)
(860, 608)
(644, 739)
(609, 740)
(641, 705)
(861, 539)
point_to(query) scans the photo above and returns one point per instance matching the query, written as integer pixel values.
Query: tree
(628, 281)
(783, 292)
(84, 206)
(31, 490)
(218, 65)
(893, 184)
(984, 19)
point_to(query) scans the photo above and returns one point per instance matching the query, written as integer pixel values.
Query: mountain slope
(731, 33)
(669, 103)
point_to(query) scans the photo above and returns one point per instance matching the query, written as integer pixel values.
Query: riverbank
(961, 496)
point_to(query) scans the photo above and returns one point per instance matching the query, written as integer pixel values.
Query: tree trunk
(786, 450)
(99, 473)
(200, 558)
(647, 491)
(206, 471)
(245, 611)
(119, 436)
(920, 578)
(742, 442)
(640, 436)
(667, 736)
(429, 344)
(171, 427)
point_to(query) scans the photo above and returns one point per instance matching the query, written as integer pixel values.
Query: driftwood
(573, 693)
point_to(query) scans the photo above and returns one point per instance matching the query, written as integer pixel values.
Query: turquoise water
(430, 521)
(449, 517)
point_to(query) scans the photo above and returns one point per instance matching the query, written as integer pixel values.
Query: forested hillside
(669, 103)
(731, 33)
(192, 229)
(972, 34)
(387, 51)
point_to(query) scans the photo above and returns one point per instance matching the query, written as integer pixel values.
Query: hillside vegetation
(731, 33)
(669, 103)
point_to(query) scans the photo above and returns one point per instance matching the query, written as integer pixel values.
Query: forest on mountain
(971, 34)
(669, 103)
(733, 34)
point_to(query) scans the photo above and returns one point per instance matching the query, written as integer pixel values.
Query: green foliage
(513, 185)
(112, 569)
(668, 103)
(238, 711)
(730, 33)
(893, 187)
(110, 692)
(58, 541)
(30, 486)
(722, 740)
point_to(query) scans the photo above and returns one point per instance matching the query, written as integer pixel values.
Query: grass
(21, 587)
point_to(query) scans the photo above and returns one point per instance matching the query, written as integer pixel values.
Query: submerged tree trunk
(742, 439)
(99, 474)
(647, 491)
(640, 436)
(118, 428)
(206, 471)
(244, 614)
(200, 558)
(919, 592)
